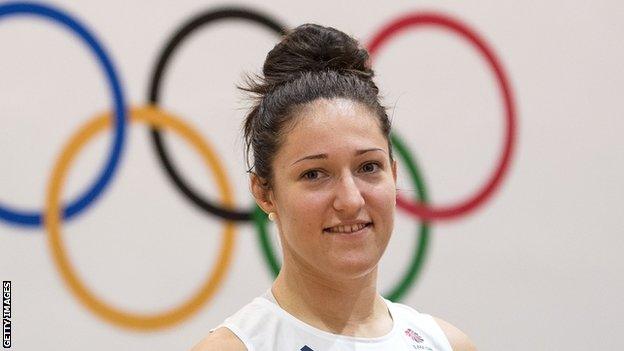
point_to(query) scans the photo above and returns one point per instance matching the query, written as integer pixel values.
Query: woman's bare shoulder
(458, 340)
(221, 339)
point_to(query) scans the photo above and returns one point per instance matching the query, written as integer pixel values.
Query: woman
(324, 172)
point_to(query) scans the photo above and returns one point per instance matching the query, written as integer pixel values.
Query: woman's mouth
(347, 229)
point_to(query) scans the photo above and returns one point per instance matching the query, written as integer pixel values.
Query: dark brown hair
(311, 62)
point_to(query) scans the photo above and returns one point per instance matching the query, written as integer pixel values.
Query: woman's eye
(311, 175)
(370, 167)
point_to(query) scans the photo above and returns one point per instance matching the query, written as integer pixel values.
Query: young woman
(324, 172)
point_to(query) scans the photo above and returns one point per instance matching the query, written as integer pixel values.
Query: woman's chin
(352, 266)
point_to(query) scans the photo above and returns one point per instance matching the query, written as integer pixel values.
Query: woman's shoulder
(459, 340)
(234, 333)
(221, 339)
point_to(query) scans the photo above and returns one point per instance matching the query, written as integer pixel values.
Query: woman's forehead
(337, 125)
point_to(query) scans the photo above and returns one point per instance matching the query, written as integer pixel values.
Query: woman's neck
(347, 307)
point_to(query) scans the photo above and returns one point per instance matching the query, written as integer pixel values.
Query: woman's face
(333, 190)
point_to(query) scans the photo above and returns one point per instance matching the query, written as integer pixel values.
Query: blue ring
(33, 218)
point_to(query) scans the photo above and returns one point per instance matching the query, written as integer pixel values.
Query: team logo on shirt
(413, 335)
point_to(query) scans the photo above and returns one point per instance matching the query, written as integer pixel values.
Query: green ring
(410, 275)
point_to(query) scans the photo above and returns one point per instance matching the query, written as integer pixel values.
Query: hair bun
(314, 48)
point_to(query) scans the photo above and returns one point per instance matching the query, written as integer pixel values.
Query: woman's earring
(271, 216)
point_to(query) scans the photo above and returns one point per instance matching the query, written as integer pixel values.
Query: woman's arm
(459, 341)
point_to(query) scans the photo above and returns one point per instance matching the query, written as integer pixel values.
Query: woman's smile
(348, 228)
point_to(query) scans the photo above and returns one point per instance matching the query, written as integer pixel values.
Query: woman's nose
(348, 197)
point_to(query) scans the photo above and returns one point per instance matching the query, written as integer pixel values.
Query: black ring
(178, 37)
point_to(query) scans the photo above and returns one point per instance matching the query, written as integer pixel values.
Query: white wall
(536, 267)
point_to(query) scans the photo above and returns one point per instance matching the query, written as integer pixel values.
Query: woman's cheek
(306, 208)
(383, 194)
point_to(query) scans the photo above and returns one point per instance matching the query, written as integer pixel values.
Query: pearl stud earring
(272, 216)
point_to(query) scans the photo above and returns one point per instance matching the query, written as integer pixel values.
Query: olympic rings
(33, 218)
(431, 19)
(418, 257)
(158, 119)
(54, 213)
(177, 38)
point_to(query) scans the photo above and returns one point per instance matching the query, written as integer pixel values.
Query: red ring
(426, 212)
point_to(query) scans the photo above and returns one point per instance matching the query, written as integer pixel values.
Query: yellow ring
(159, 119)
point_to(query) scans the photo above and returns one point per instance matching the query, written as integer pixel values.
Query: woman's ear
(394, 170)
(394, 176)
(262, 193)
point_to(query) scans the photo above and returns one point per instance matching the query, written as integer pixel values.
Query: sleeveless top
(262, 325)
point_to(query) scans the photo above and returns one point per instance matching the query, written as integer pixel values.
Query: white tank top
(262, 325)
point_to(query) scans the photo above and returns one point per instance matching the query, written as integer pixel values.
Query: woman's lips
(348, 229)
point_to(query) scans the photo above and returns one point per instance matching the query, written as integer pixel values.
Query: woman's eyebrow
(324, 156)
